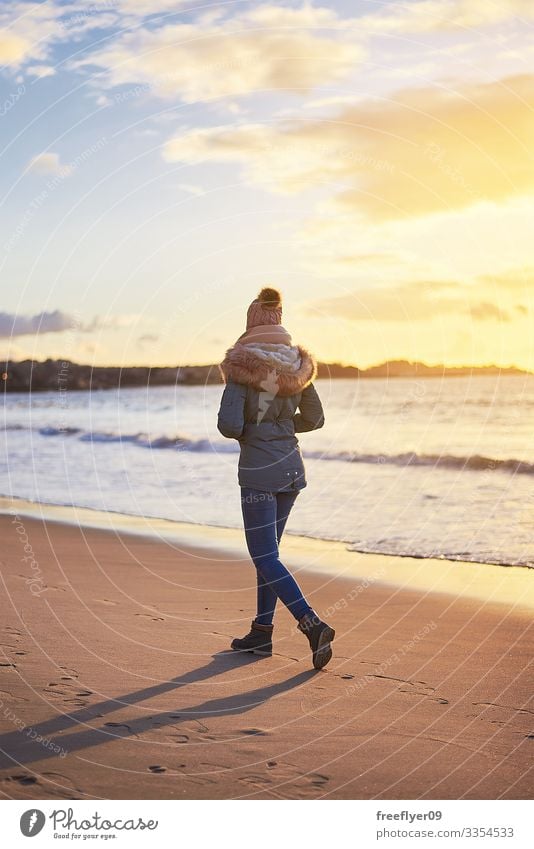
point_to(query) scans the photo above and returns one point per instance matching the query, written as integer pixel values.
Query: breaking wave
(179, 442)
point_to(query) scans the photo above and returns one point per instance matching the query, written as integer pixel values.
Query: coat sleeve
(311, 415)
(231, 418)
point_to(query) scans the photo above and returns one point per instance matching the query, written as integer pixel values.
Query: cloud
(278, 36)
(44, 322)
(49, 163)
(424, 150)
(485, 310)
(444, 15)
(191, 189)
(41, 71)
(404, 302)
(110, 322)
(412, 301)
(281, 159)
(374, 259)
(57, 321)
(483, 298)
(511, 278)
(30, 30)
(329, 101)
(267, 47)
(140, 8)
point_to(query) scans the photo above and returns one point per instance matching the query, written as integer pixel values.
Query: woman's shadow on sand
(17, 747)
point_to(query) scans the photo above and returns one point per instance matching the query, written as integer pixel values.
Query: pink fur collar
(243, 365)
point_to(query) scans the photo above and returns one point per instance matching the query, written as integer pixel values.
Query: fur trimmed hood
(281, 369)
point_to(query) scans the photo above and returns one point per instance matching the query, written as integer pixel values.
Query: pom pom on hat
(265, 309)
(270, 298)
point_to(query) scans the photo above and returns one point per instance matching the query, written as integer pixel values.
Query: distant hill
(404, 368)
(63, 375)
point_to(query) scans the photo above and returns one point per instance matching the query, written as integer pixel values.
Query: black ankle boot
(319, 635)
(257, 641)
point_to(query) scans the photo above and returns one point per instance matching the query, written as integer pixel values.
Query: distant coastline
(63, 375)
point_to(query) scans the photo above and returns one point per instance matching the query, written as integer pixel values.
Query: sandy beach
(116, 681)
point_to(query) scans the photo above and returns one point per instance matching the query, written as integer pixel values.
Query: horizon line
(336, 363)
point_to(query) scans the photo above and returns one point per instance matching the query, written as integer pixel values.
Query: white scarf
(285, 358)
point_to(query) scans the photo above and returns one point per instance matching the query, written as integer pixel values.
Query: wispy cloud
(30, 30)
(219, 46)
(512, 279)
(57, 321)
(266, 47)
(482, 299)
(444, 15)
(485, 311)
(423, 150)
(49, 163)
(43, 322)
(41, 71)
(191, 189)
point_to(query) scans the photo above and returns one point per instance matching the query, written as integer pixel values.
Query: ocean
(427, 467)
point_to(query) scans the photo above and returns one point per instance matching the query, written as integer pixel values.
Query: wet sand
(116, 682)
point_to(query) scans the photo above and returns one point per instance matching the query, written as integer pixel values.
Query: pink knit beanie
(266, 309)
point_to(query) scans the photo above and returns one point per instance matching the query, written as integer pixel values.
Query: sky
(162, 160)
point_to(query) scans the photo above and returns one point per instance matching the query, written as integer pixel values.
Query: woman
(268, 397)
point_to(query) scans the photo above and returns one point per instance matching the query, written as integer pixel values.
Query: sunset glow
(162, 161)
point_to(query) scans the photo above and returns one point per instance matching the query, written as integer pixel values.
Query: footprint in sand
(413, 688)
(23, 779)
(47, 786)
(56, 781)
(419, 688)
(6, 696)
(69, 691)
(11, 643)
(254, 732)
(70, 672)
(285, 780)
(120, 729)
(150, 616)
(177, 738)
(517, 718)
(58, 588)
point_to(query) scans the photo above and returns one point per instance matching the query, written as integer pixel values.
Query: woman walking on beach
(269, 396)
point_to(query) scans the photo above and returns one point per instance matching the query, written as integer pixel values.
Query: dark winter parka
(269, 396)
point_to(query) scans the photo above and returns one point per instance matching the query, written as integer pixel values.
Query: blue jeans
(265, 515)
